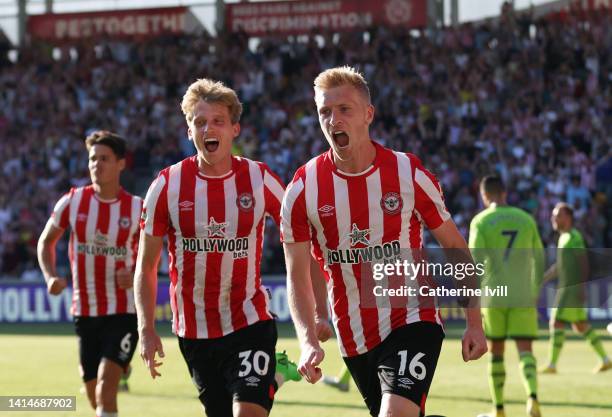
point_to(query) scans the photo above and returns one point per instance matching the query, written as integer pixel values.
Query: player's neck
(217, 169)
(361, 159)
(107, 191)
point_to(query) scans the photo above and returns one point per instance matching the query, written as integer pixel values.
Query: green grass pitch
(42, 360)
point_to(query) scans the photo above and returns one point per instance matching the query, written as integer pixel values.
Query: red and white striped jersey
(103, 240)
(379, 210)
(215, 231)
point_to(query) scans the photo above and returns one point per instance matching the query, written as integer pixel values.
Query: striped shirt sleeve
(136, 236)
(295, 226)
(428, 197)
(274, 189)
(61, 211)
(155, 219)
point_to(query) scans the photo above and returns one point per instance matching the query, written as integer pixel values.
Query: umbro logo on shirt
(186, 205)
(326, 210)
(405, 383)
(252, 381)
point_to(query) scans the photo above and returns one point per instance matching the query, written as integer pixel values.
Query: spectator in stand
(527, 98)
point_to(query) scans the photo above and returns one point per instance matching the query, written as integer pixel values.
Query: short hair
(492, 185)
(563, 206)
(336, 77)
(211, 91)
(107, 138)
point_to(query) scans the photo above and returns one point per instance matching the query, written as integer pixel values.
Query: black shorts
(112, 337)
(403, 364)
(237, 367)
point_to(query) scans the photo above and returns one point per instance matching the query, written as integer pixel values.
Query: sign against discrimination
(300, 17)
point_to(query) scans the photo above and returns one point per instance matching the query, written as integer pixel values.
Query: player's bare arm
(145, 293)
(46, 257)
(319, 287)
(302, 307)
(474, 344)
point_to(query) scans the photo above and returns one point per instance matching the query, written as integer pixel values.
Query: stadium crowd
(528, 98)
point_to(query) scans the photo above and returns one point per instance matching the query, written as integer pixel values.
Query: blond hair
(336, 77)
(211, 92)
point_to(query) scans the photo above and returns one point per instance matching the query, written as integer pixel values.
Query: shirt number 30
(259, 363)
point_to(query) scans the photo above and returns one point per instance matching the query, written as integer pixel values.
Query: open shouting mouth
(341, 138)
(211, 144)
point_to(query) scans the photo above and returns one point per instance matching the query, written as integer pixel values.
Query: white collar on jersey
(228, 173)
(350, 174)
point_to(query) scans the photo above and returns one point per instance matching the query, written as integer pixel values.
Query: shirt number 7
(511, 234)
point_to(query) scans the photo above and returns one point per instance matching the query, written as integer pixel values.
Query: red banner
(297, 17)
(143, 23)
(579, 9)
(592, 4)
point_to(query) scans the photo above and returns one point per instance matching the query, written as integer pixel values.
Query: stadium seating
(530, 99)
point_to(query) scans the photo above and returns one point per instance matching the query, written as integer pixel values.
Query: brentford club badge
(391, 203)
(125, 222)
(245, 202)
